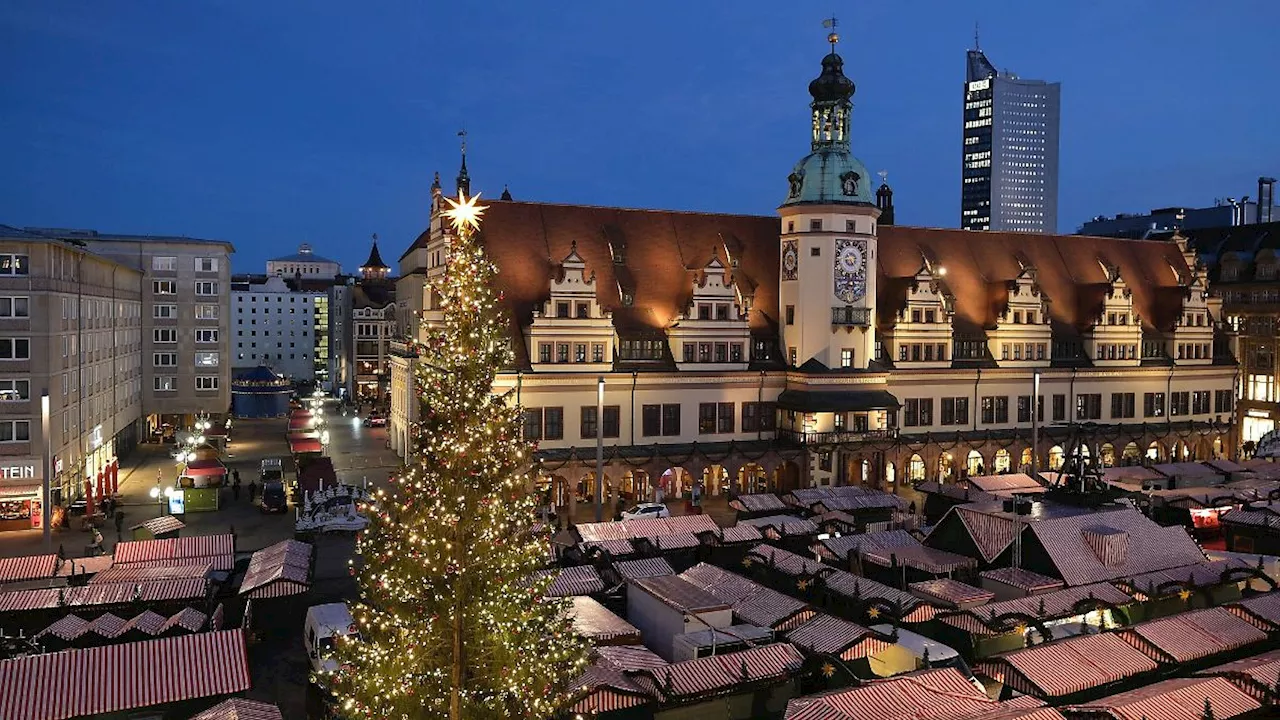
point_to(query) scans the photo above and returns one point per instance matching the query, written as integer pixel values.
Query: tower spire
(833, 37)
(976, 45)
(463, 180)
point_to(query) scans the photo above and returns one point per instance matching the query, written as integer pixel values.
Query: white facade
(277, 327)
(304, 264)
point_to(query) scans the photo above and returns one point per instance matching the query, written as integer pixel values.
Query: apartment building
(186, 338)
(282, 325)
(70, 325)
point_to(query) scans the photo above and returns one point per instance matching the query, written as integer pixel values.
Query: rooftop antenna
(832, 37)
(463, 134)
(976, 44)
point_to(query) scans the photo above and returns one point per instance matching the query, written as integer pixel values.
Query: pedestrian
(911, 509)
(119, 522)
(235, 487)
(253, 491)
(236, 474)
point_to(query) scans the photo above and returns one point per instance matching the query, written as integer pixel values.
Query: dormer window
(722, 311)
(915, 315)
(929, 316)
(1017, 317)
(583, 310)
(562, 309)
(704, 311)
(1031, 317)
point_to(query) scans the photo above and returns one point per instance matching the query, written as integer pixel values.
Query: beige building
(71, 324)
(186, 326)
(826, 346)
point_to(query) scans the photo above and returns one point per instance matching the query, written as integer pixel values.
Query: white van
(324, 624)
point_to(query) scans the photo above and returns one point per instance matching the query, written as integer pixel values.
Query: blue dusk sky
(278, 122)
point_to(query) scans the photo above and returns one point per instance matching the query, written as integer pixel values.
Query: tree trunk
(455, 699)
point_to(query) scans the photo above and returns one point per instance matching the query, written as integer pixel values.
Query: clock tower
(827, 292)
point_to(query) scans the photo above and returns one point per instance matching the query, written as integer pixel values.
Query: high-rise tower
(1009, 174)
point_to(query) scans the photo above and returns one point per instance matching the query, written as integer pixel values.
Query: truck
(272, 470)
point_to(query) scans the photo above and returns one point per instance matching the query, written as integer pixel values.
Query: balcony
(850, 316)
(837, 437)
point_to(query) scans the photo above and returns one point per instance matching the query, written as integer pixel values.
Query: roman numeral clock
(851, 270)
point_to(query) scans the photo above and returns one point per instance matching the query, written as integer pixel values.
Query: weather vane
(832, 37)
(463, 134)
(884, 177)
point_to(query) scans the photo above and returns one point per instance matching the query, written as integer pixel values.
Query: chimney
(1266, 198)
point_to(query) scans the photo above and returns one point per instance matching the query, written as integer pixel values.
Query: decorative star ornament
(463, 213)
(1185, 595)
(1020, 628)
(873, 612)
(828, 669)
(803, 585)
(746, 562)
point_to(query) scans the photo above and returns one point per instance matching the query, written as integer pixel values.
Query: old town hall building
(828, 345)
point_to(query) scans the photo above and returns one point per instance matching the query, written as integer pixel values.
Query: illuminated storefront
(20, 488)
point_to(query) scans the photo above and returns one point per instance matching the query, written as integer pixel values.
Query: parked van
(272, 470)
(323, 626)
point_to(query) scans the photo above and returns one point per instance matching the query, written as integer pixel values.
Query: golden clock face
(851, 258)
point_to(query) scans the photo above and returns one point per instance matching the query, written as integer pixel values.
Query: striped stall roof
(1084, 548)
(956, 492)
(1262, 610)
(597, 623)
(133, 574)
(615, 548)
(630, 657)
(721, 673)
(1057, 604)
(695, 524)
(278, 570)
(116, 678)
(577, 580)
(1066, 667)
(181, 548)
(856, 587)
(645, 528)
(215, 621)
(1176, 699)
(808, 497)
(241, 709)
(104, 594)
(1193, 635)
(679, 541)
(147, 622)
(740, 534)
(754, 603)
(758, 502)
(1009, 482)
(27, 567)
(108, 626)
(605, 686)
(67, 628)
(920, 557)
(1022, 579)
(878, 501)
(1256, 675)
(1199, 575)
(941, 694)
(785, 562)
(784, 525)
(990, 533)
(831, 635)
(643, 568)
(188, 619)
(160, 525)
(1257, 515)
(952, 592)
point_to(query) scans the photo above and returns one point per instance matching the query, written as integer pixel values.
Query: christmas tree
(453, 623)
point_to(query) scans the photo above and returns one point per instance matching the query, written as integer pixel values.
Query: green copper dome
(830, 174)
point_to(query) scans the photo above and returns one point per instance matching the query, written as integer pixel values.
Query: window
(164, 287)
(722, 352)
(722, 311)
(164, 312)
(165, 384)
(562, 352)
(706, 418)
(208, 287)
(671, 420)
(553, 423)
(704, 352)
(15, 430)
(580, 352)
(15, 390)
(208, 336)
(839, 420)
(582, 310)
(597, 352)
(1179, 404)
(206, 359)
(917, 412)
(995, 409)
(1153, 404)
(562, 309)
(164, 264)
(757, 417)
(815, 225)
(704, 311)
(14, 264)
(846, 358)
(165, 335)
(651, 420)
(533, 423)
(1200, 402)
(1089, 406)
(1024, 408)
(15, 348)
(725, 418)
(15, 307)
(206, 382)
(1122, 405)
(612, 414)
(544, 352)
(690, 352)
(955, 411)
(164, 359)
(206, 264)
(1059, 408)
(1223, 400)
(791, 314)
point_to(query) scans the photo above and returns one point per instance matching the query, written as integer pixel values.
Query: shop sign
(1259, 414)
(178, 503)
(95, 438)
(18, 472)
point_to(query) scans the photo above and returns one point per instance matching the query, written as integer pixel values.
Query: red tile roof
(1177, 699)
(1065, 667)
(941, 694)
(1193, 635)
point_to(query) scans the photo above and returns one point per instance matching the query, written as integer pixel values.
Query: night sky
(274, 123)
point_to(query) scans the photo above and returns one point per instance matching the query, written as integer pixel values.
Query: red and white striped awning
(278, 570)
(577, 580)
(161, 525)
(115, 678)
(1193, 635)
(643, 568)
(27, 567)
(1177, 699)
(104, 594)
(217, 550)
(134, 573)
(241, 709)
(188, 619)
(1066, 667)
(204, 468)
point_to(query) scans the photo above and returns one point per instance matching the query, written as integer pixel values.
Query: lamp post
(600, 449)
(1035, 424)
(46, 513)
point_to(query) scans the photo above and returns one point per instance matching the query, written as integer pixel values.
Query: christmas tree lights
(452, 622)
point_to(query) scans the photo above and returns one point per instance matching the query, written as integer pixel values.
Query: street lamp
(600, 449)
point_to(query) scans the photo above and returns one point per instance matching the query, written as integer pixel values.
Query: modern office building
(821, 346)
(186, 338)
(1009, 172)
(1226, 212)
(282, 325)
(304, 264)
(70, 324)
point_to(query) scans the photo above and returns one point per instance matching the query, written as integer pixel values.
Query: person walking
(235, 486)
(253, 491)
(119, 522)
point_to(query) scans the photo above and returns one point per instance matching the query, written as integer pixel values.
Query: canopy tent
(301, 423)
(204, 468)
(303, 446)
